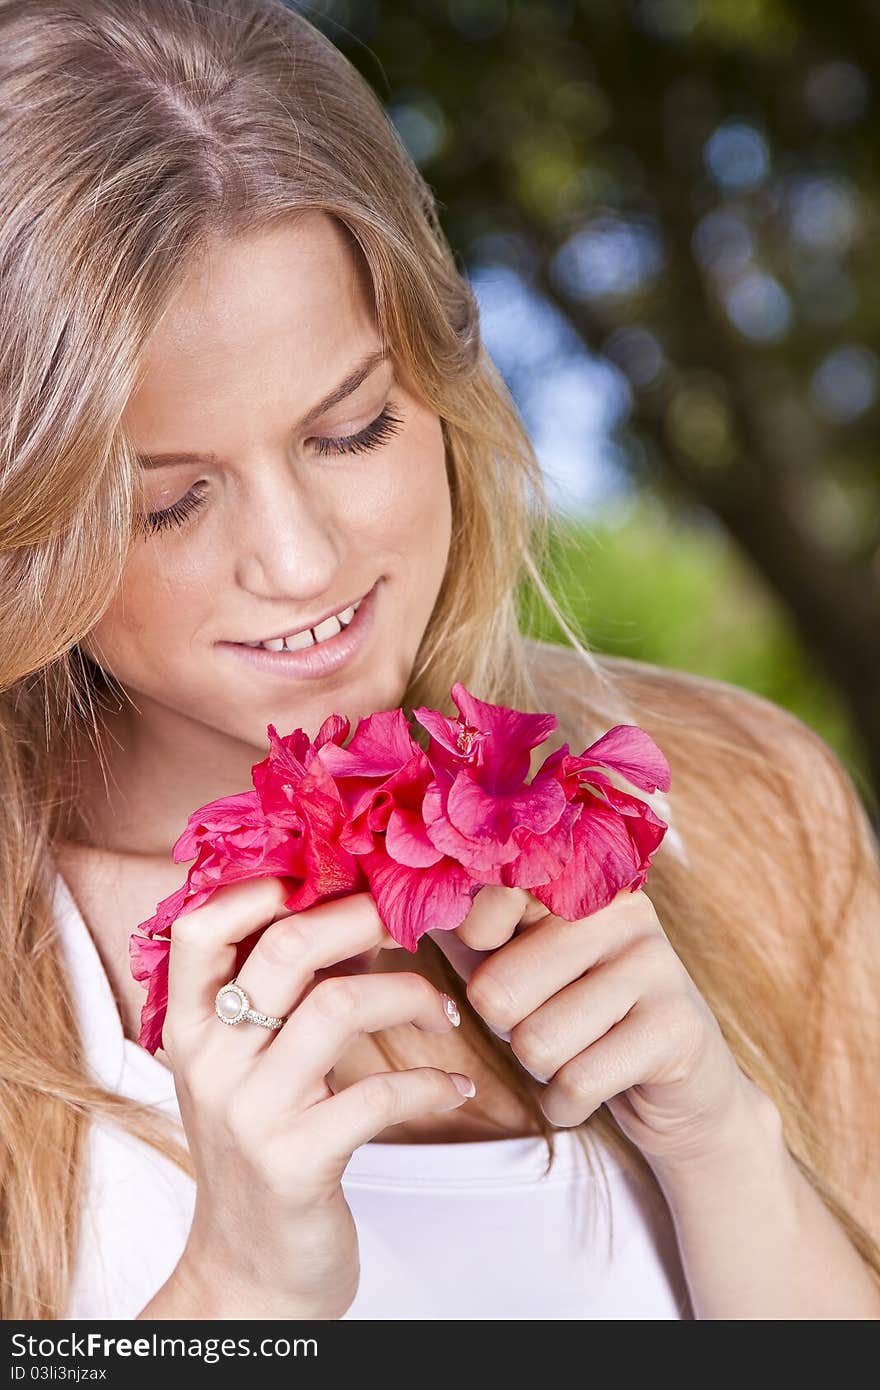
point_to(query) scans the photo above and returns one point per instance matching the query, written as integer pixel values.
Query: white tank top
(472, 1230)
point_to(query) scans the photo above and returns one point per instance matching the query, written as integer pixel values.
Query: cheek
(152, 607)
(417, 511)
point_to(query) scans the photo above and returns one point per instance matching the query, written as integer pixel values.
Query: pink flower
(149, 964)
(423, 831)
(383, 776)
(615, 834)
(295, 789)
(479, 807)
(569, 836)
(233, 839)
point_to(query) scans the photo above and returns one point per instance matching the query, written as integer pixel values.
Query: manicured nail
(464, 1084)
(451, 1008)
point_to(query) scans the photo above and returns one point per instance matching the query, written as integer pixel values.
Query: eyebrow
(355, 378)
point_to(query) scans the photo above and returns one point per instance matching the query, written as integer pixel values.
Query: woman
(243, 391)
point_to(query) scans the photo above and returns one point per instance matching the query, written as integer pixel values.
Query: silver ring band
(231, 1005)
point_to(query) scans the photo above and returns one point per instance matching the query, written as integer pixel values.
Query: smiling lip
(321, 658)
(331, 613)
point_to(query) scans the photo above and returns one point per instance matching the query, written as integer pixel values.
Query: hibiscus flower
(424, 831)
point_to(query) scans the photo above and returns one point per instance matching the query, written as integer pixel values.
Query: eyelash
(377, 432)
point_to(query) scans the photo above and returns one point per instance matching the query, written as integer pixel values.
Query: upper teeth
(295, 641)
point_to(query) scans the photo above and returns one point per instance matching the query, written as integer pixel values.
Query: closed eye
(176, 515)
(372, 436)
(383, 427)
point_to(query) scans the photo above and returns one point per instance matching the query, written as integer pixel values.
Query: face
(288, 515)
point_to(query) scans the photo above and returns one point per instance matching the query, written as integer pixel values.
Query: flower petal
(149, 964)
(380, 744)
(603, 862)
(502, 742)
(627, 749)
(413, 901)
(482, 815)
(406, 840)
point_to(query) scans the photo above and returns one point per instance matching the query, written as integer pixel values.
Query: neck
(137, 790)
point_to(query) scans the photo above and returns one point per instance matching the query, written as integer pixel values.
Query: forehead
(265, 318)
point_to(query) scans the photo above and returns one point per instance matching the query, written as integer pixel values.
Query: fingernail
(464, 1084)
(451, 1008)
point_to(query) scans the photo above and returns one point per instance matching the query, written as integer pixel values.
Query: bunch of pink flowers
(423, 832)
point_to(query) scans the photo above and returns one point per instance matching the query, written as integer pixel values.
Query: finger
(491, 921)
(573, 1019)
(545, 957)
(331, 1016)
(463, 959)
(535, 910)
(494, 916)
(291, 953)
(204, 946)
(465, 962)
(627, 1055)
(203, 943)
(356, 1114)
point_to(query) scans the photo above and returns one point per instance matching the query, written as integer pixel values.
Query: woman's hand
(272, 1234)
(603, 1010)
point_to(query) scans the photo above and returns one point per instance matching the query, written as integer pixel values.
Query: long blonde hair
(131, 135)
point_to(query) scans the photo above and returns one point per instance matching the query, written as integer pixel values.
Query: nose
(288, 543)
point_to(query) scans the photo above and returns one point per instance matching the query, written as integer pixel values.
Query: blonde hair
(139, 133)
